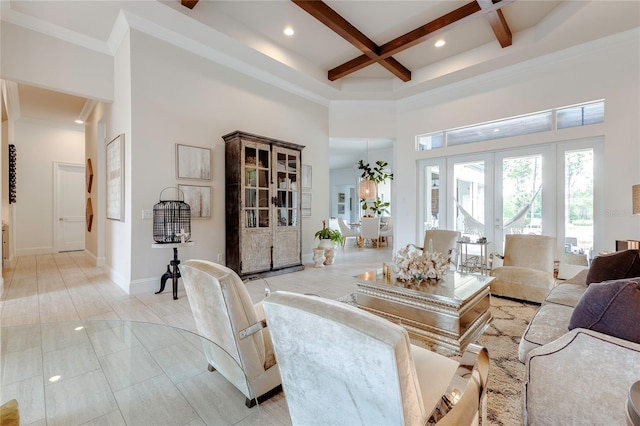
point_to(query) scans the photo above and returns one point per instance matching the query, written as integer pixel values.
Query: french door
(545, 189)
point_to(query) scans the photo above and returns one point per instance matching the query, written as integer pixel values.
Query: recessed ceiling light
(78, 121)
(288, 31)
(439, 43)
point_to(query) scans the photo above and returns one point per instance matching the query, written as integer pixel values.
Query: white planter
(318, 258)
(329, 248)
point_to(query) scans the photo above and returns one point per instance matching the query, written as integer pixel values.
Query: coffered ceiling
(393, 38)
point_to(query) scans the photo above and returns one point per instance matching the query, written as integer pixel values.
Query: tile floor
(66, 287)
(54, 288)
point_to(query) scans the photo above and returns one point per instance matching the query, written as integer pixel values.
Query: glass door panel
(521, 195)
(578, 201)
(432, 197)
(469, 198)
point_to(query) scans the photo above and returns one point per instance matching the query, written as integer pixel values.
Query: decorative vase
(318, 258)
(329, 248)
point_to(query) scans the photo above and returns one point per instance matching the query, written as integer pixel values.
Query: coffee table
(450, 314)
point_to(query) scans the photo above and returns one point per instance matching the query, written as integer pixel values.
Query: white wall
(38, 146)
(178, 97)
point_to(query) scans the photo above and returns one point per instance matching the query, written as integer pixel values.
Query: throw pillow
(610, 307)
(614, 266)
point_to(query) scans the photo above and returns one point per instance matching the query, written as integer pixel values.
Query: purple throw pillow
(610, 307)
(621, 264)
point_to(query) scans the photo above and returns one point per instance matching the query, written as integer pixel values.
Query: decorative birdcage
(172, 219)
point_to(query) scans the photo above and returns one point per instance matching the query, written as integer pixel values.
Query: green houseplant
(327, 233)
(378, 207)
(378, 174)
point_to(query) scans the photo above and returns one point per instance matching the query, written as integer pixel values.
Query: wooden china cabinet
(262, 195)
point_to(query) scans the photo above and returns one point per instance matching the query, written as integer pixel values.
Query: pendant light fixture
(367, 189)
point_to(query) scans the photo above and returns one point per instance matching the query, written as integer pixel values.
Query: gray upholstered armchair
(528, 268)
(225, 315)
(343, 365)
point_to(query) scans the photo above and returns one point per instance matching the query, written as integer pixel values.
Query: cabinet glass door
(287, 189)
(256, 187)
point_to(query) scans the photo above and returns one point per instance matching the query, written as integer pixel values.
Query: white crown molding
(53, 30)
(11, 99)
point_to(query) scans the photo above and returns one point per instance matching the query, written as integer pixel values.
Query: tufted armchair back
(343, 365)
(225, 314)
(530, 251)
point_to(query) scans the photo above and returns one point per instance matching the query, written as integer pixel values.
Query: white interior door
(70, 209)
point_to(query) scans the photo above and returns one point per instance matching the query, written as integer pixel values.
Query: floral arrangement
(411, 264)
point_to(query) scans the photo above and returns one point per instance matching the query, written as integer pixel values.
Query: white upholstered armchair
(444, 242)
(528, 268)
(225, 315)
(343, 365)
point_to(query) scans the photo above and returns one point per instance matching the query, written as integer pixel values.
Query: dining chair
(370, 230)
(386, 232)
(347, 232)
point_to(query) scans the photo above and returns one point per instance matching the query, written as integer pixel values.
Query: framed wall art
(193, 162)
(115, 178)
(305, 204)
(199, 199)
(306, 177)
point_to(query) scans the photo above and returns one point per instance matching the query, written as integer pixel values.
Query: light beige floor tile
(70, 361)
(215, 399)
(21, 365)
(157, 401)
(112, 418)
(88, 394)
(30, 396)
(129, 367)
(109, 340)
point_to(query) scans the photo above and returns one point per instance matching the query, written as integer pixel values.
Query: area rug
(506, 372)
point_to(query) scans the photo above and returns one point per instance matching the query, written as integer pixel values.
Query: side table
(173, 271)
(474, 263)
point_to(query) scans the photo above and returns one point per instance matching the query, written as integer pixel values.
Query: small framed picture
(341, 208)
(115, 178)
(306, 177)
(305, 209)
(341, 197)
(193, 162)
(199, 199)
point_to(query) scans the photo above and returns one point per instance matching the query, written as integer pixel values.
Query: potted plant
(327, 233)
(328, 239)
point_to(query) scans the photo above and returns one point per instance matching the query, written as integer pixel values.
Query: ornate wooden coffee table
(451, 314)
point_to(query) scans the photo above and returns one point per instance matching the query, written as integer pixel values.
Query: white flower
(411, 264)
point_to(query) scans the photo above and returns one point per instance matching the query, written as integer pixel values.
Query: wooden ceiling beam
(189, 3)
(420, 34)
(498, 23)
(329, 17)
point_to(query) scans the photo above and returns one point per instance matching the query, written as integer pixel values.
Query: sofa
(582, 348)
